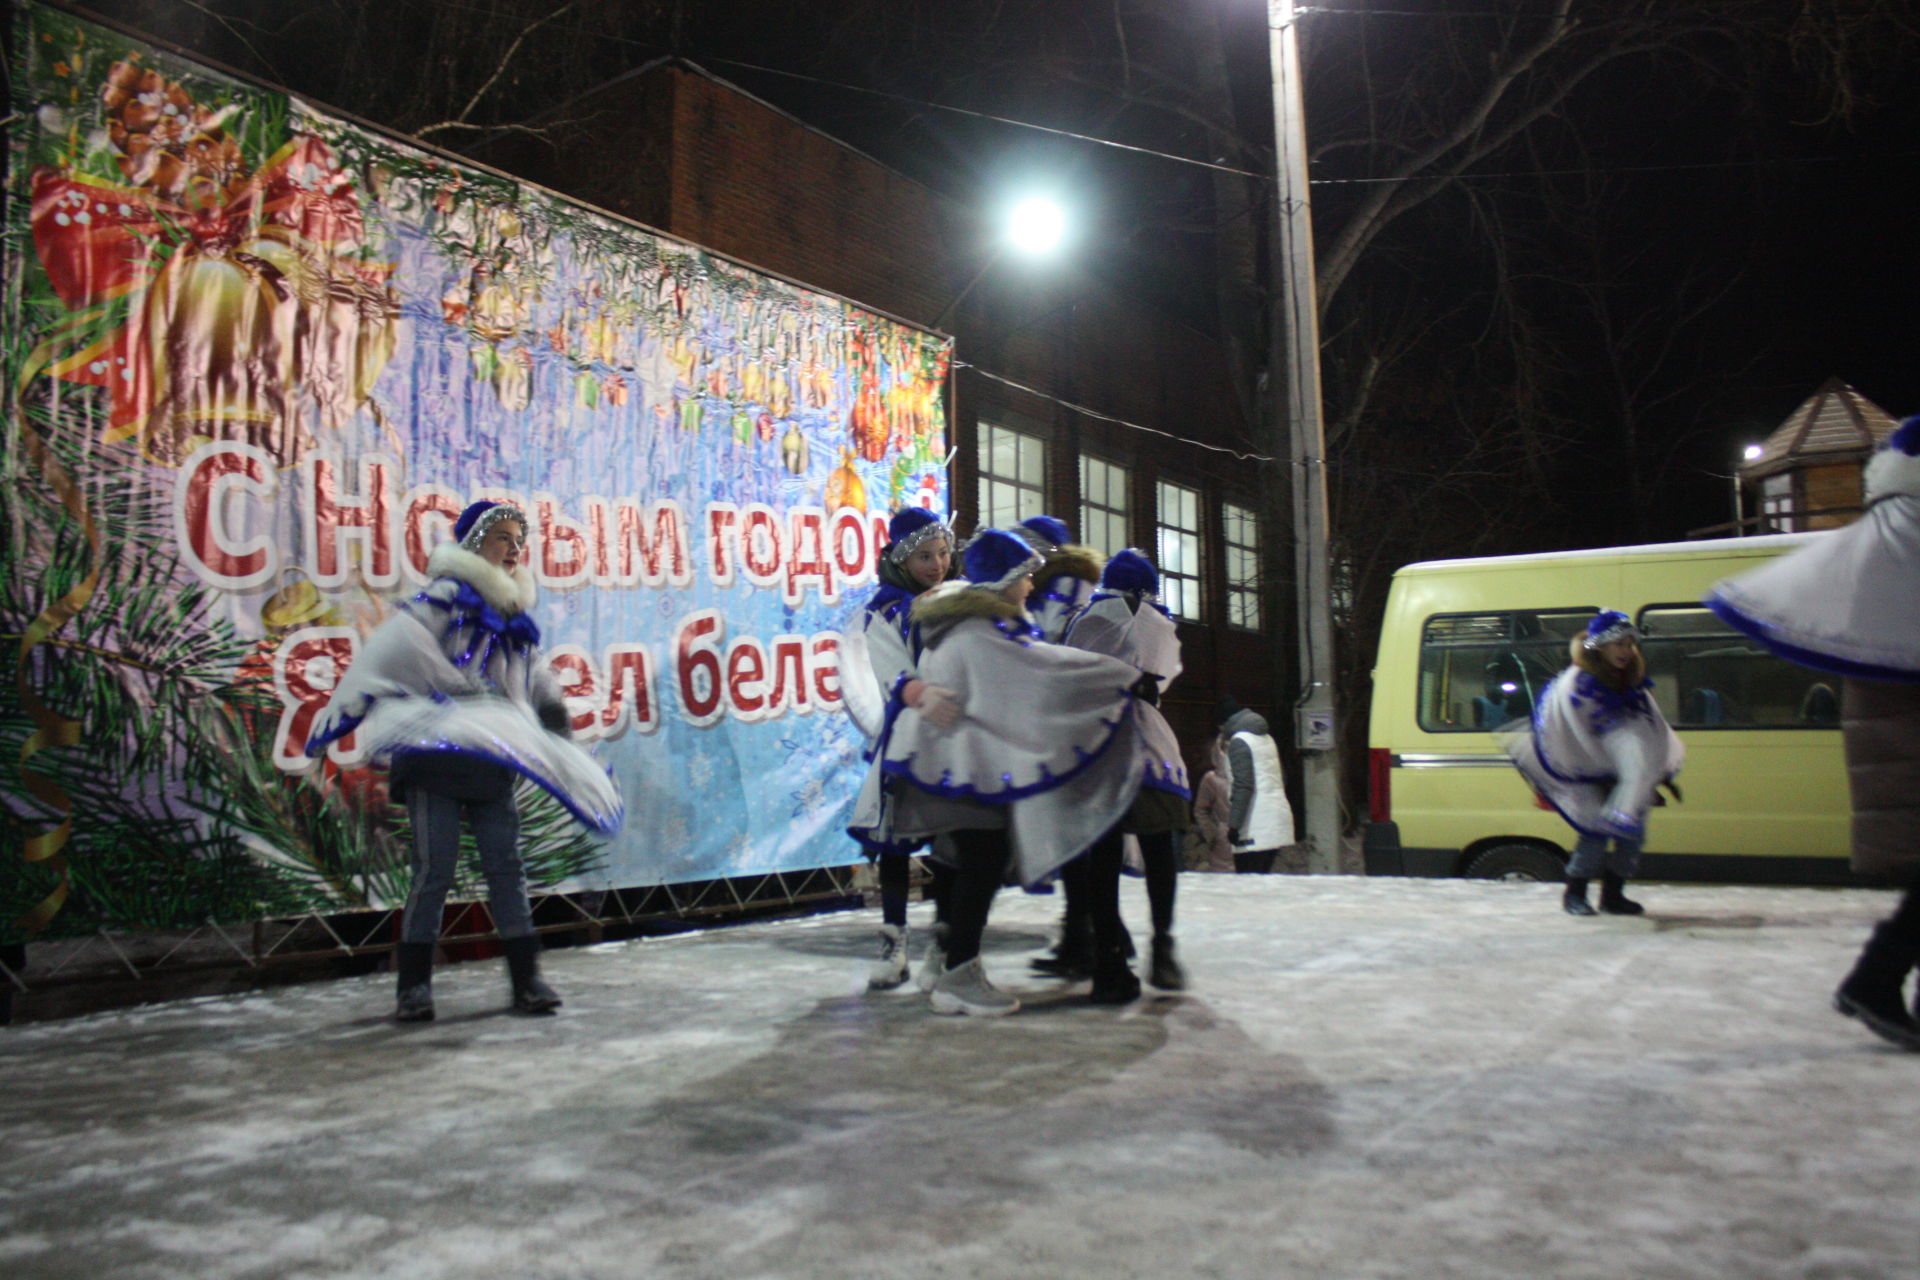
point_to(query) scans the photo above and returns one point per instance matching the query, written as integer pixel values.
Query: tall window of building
(1179, 552)
(1103, 505)
(1240, 530)
(1013, 476)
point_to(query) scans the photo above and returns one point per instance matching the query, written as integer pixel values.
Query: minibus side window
(1479, 671)
(1708, 676)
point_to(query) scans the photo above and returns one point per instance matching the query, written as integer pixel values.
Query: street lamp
(1035, 227)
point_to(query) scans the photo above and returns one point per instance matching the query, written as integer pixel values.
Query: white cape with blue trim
(402, 693)
(1046, 748)
(1848, 602)
(1148, 640)
(1597, 764)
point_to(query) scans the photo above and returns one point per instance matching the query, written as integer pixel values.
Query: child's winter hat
(909, 528)
(470, 530)
(1044, 533)
(1607, 626)
(994, 559)
(1130, 570)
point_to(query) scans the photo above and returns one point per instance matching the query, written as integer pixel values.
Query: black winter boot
(1575, 899)
(530, 994)
(1613, 898)
(1072, 956)
(1871, 992)
(1165, 972)
(413, 973)
(1114, 981)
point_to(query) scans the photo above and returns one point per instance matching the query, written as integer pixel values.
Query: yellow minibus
(1467, 645)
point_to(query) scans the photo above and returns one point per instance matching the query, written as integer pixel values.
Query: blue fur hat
(1044, 533)
(994, 558)
(1906, 437)
(1130, 570)
(1607, 626)
(471, 528)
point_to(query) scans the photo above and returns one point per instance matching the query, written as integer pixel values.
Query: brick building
(1056, 373)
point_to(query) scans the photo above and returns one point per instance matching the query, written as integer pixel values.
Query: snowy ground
(1371, 1078)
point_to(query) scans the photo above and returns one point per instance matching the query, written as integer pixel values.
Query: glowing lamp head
(1036, 226)
(1752, 451)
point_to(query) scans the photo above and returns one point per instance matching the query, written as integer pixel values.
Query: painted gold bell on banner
(844, 486)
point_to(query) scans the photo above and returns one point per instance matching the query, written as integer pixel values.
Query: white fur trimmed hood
(510, 593)
(1893, 474)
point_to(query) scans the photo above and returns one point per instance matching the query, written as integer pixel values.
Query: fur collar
(1892, 474)
(510, 593)
(1589, 661)
(951, 602)
(1074, 560)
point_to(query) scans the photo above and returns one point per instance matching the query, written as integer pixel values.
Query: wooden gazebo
(1808, 473)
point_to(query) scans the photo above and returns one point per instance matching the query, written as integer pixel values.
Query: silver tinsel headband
(904, 547)
(490, 517)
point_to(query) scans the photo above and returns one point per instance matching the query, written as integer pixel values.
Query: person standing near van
(1849, 604)
(1597, 749)
(1259, 819)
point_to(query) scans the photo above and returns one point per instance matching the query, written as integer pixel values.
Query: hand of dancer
(938, 706)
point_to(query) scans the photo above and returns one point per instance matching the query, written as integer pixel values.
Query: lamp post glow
(1036, 226)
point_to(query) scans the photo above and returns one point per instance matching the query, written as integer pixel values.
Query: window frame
(1420, 653)
(1235, 587)
(1758, 650)
(1107, 512)
(1196, 611)
(1031, 495)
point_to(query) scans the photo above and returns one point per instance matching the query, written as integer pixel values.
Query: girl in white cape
(918, 556)
(452, 695)
(1596, 750)
(1849, 604)
(1126, 619)
(1044, 757)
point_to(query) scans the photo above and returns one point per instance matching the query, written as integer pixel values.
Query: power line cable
(1107, 417)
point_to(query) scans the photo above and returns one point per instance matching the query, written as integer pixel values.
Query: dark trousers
(1160, 854)
(896, 874)
(980, 866)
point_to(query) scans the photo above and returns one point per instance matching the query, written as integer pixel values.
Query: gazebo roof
(1836, 423)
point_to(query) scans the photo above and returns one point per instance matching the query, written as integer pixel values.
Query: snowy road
(1385, 1078)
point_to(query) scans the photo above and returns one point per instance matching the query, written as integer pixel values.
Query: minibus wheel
(1517, 862)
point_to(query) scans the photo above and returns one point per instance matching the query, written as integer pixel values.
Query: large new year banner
(257, 360)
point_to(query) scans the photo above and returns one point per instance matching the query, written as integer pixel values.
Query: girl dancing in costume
(1849, 604)
(1126, 620)
(1043, 759)
(1063, 583)
(1597, 749)
(1061, 587)
(452, 695)
(918, 555)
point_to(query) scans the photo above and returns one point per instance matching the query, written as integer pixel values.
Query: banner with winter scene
(258, 359)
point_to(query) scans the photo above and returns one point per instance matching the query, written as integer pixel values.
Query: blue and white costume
(883, 647)
(1147, 639)
(1065, 580)
(1849, 602)
(1046, 750)
(1598, 745)
(456, 671)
